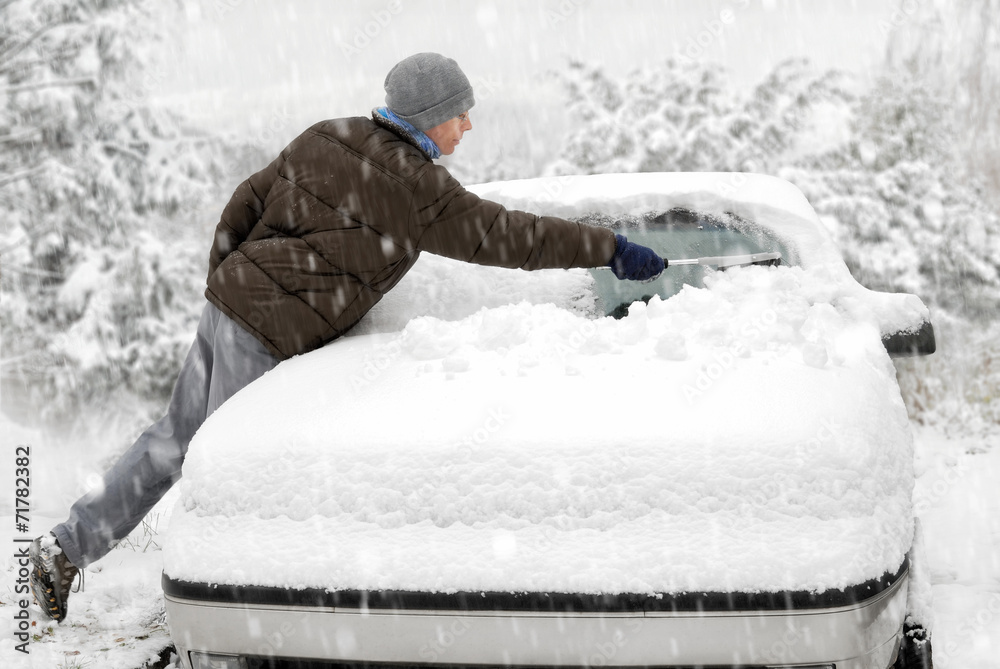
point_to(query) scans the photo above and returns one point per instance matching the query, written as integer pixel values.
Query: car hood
(747, 436)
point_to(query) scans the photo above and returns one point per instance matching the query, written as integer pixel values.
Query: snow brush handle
(767, 258)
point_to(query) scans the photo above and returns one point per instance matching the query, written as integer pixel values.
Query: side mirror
(910, 343)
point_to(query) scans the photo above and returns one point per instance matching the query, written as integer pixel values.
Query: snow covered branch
(18, 136)
(23, 174)
(82, 81)
(9, 52)
(32, 271)
(134, 155)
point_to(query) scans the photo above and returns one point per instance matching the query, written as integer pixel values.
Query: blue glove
(635, 262)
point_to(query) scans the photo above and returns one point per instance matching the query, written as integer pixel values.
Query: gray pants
(223, 359)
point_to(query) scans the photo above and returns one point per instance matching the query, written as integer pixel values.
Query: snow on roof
(771, 201)
(745, 436)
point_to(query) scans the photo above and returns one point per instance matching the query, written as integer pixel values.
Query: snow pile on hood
(747, 436)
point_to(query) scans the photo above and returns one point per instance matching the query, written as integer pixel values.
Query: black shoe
(52, 577)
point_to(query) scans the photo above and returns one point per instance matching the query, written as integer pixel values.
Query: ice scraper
(722, 262)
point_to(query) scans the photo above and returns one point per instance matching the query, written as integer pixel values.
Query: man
(303, 250)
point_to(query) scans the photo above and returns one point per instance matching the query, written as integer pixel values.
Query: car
(560, 469)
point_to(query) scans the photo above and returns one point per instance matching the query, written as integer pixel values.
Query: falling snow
(126, 128)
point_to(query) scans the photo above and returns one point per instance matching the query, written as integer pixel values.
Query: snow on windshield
(766, 201)
(744, 436)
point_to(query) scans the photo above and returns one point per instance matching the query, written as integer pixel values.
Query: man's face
(449, 134)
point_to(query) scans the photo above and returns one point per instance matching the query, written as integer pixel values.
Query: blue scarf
(386, 117)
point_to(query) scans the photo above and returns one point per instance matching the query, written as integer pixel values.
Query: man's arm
(450, 221)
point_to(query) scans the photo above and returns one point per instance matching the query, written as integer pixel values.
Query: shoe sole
(43, 588)
(45, 595)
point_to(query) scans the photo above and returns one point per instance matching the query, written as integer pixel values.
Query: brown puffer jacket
(310, 243)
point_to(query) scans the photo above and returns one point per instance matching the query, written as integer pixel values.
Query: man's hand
(634, 261)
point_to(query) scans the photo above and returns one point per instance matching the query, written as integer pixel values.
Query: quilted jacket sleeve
(450, 221)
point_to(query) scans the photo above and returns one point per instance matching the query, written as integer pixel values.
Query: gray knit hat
(427, 89)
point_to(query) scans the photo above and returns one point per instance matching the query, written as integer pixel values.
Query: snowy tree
(955, 48)
(98, 288)
(683, 116)
(902, 218)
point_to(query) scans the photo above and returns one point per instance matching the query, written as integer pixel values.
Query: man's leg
(147, 470)
(223, 359)
(239, 359)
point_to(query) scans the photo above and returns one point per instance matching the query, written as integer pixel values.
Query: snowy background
(126, 124)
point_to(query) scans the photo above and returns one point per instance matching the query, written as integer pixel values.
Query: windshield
(678, 234)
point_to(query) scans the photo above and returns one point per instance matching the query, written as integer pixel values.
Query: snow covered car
(492, 471)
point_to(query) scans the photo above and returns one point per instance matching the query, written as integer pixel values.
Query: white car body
(492, 473)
